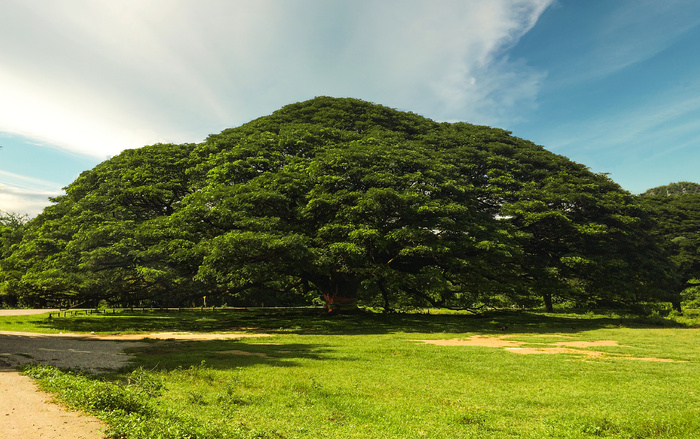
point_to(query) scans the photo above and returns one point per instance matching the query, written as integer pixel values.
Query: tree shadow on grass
(114, 357)
(224, 354)
(311, 321)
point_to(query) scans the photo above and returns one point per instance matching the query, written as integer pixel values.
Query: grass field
(500, 375)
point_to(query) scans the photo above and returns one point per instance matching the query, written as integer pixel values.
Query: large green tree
(354, 213)
(357, 200)
(345, 201)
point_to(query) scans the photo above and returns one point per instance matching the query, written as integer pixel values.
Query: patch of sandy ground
(27, 413)
(25, 312)
(562, 347)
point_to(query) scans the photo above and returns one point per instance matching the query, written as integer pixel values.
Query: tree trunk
(548, 302)
(675, 298)
(385, 297)
(339, 291)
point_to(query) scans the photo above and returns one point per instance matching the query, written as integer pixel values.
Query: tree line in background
(675, 209)
(343, 202)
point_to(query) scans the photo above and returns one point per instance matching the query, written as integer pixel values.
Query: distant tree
(11, 221)
(680, 188)
(677, 215)
(11, 232)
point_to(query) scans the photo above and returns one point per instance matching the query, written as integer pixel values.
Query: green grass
(32, 323)
(366, 376)
(316, 321)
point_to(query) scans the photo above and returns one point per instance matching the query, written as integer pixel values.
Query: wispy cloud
(23, 194)
(630, 33)
(651, 144)
(670, 114)
(100, 76)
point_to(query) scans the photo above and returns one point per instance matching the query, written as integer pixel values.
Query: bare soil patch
(537, 336)
(477, 340)
(664, 360)
(561, 347)
(186, 336)
(27, 413)
(527, 351)
(587, 344)
(25, 312)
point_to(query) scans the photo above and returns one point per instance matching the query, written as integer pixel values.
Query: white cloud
(21, 194)
(99, 76)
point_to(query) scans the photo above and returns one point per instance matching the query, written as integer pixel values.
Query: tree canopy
(344, 202)
(676, 209)
(672, 189)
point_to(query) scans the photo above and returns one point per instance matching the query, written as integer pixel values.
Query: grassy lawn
(530, 375)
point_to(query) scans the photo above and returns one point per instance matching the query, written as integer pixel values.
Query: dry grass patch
(587, 344)
(665, 360)
(477, 340)
(561, 347)
(527, 351)
(187, 336)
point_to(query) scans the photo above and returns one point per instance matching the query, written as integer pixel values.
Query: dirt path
(24, 312)
(27, 413)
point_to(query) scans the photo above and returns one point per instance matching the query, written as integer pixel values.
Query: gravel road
(91, 354)
(66, 351)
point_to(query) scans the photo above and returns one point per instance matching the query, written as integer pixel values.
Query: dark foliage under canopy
(345, 201)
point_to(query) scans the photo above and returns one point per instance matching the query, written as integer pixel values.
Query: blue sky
(614, 85)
